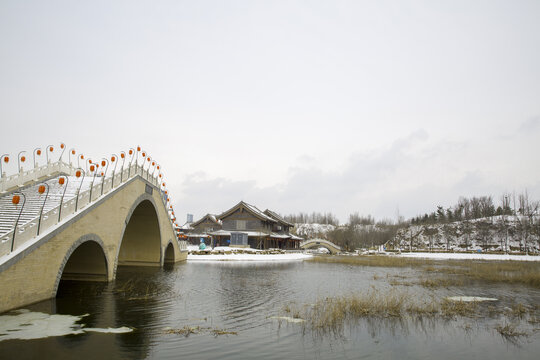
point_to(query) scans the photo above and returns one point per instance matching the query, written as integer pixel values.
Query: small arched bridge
(81, 228)
(317, 243)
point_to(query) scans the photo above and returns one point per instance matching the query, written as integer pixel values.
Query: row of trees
(313, 218)
(480, 207)
(521, 228)
(351, 237)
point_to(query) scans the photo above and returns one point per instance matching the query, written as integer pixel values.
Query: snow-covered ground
(478, 256)
(246, 254)
(250, 257)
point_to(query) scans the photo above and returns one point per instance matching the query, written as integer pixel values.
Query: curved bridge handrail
(28, 230)
(320, 242)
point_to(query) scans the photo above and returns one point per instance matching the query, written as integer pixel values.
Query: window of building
(241, 224)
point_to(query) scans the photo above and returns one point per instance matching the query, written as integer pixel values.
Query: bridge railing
(102, 186)
(35, 174)
(182, 244)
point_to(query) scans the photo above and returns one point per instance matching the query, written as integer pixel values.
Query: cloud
(530, 125)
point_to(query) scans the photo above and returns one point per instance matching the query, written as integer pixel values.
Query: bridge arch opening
(169, 254)
(141, 242)
(87, 262)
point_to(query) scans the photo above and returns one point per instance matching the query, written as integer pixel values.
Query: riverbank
(240, 254)
(470, 256)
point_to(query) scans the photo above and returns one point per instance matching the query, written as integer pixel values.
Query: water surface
(242, 298)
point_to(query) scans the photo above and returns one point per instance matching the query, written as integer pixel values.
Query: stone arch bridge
(118, 220)
(317, 243)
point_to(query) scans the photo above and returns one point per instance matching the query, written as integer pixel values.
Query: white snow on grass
(288, 319)
(470, 298)
(25, 325)
(467, 256)
(250, 257)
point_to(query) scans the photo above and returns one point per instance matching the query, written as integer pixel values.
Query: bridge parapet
(13, 237)
(333, 248)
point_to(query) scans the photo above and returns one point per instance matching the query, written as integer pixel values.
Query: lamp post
(137, 158)
(144, 161)
(63, 147)
(62, 180)
(149, 166)
(131, 153)
(15, 201)
(4, 158)
(21, 158)
(113, 160)
(93, 168)
(41, 190)
(104, 164)
(37, 151)
(78, 174)
(71, 152)
(80, 157)
(48, 149)
(123, 156)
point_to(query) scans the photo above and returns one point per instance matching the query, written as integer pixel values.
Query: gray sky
(339, 106)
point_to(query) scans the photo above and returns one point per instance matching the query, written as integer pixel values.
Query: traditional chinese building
(245, 225)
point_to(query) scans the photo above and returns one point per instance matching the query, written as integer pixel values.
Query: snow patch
(468, 256)
(287, 319)
(250, 257)
(470, 298)
(25, 325)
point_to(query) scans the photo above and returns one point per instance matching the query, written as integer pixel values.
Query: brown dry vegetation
(518, 272)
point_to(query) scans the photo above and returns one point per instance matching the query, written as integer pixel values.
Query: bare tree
(430, 232)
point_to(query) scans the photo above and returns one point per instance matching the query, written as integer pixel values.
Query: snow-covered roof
(277, 217)
(210, 217)
(251, 208)
(281, 236)
(228, 233)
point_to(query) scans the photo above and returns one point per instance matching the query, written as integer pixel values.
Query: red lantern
(82, 157)
(138, 148)
(130, 152)
(41, 189)
(90, 161)
(159, 175)
(61, 180)
(163, 184)
(122, 155)
(16, 199)
(143, 154)
(92, 168)
(23, 158)
(38, 152)
(62, 146)
(72, 152)
(103, 163)
(148, 159)
(168, 199)
(102, 173)
(158, 167)
(78, 173)
(113, 159)
(166, 192)
(6, 159)
(153, 163)
(51, 149)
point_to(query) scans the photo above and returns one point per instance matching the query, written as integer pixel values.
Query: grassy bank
(331, 314)
(517, 272)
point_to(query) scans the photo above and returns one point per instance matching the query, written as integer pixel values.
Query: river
(226, 310)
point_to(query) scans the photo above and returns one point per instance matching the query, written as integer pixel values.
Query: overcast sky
(341, 106)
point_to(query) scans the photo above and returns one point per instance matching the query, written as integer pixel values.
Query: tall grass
(331, 313)
(519, 272)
